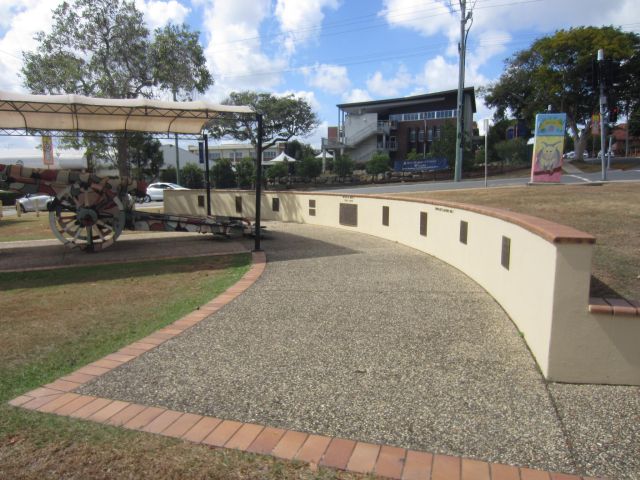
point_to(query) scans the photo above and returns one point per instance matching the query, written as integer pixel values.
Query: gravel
(353, 336)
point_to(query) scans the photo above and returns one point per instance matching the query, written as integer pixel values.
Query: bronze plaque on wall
(349, 214)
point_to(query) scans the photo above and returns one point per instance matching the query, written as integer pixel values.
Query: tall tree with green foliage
(283, 118)
(102, 48)
(145, 153)
(298, 150)
(179, 65)
(557, 71)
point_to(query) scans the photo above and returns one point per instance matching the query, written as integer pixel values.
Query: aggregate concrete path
(351, 336)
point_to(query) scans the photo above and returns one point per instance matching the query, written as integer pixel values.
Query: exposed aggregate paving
(352, 336)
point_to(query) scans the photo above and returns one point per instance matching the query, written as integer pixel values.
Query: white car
(34, 201)
(155, 191)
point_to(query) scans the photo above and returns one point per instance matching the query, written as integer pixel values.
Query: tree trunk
(123, 156)
(580, 138)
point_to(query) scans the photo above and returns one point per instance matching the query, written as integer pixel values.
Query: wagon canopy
(79, 113)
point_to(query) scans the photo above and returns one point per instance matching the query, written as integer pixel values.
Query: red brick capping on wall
(551, 231)
(614, 306)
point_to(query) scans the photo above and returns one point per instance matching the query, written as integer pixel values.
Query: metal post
(206, 170)
(256, 247)
(603, 106)
(457, 176)
(175, 99)
(486, 149)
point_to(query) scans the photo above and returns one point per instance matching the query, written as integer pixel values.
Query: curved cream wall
(544, 290)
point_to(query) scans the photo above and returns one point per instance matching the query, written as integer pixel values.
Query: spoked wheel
(90, 220)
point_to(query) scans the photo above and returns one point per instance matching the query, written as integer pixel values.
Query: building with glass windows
(397, 125)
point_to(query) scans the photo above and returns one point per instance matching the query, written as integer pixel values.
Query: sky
(336, 51)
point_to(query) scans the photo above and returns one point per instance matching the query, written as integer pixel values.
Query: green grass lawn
(55, 321)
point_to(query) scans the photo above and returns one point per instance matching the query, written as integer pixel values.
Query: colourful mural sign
(47, 151)
(546, 165)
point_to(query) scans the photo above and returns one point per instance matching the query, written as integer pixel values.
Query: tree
(277, 170)
(309, 167)
(102, 48)
(245, 171)
(145, 153)
(283, 118)
(222, 174)
(557, 71)
(343, 165)
(179, 65)
(97, 48)
(379, 163)
(192, 176)
(168, 174)
(513, 152)
(298, 150)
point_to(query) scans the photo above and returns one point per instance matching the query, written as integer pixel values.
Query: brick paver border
(59, 398)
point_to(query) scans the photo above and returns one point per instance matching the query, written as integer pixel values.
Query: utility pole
(603, 107)
(462, 46)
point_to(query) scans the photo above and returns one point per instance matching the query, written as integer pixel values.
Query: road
(612, 175)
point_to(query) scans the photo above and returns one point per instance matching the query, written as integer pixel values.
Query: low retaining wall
(537, 270)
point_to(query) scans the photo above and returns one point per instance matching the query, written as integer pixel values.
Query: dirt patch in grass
(610, 212)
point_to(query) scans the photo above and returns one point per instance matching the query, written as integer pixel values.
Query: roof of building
(382, 105)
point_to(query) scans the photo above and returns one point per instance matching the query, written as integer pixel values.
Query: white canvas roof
(280, 158)
(78, 113)
(324, 154)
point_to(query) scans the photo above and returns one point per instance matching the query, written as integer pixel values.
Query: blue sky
(336, 51)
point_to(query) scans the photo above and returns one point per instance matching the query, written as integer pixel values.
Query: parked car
(610, 152)
(30, 201)
(572, 155)
(155, 191)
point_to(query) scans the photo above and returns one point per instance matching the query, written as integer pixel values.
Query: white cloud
(391, 87)
(234, 49)
(25, 19)
(356, 95)
(427, 17)
(329, 78)
(158, 13)
(307, 95)
(301, 20)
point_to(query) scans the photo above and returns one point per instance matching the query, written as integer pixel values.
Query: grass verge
(610, 212)
(55, 321)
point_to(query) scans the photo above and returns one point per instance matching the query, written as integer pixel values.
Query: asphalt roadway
(353, 336)
(567, 178)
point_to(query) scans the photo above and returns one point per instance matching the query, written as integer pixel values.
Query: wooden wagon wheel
(90, 220)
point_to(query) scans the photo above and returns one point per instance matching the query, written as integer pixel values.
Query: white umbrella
(324, 155)
(283, 157)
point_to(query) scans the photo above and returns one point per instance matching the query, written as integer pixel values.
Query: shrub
(169, 174)
(191, 176)
(512, 152)
(245, 171)
(343, 165)
(309, 167)
(222, 174)
(379, 163)
(278, 170)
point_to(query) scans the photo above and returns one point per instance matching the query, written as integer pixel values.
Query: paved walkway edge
(59, 397)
